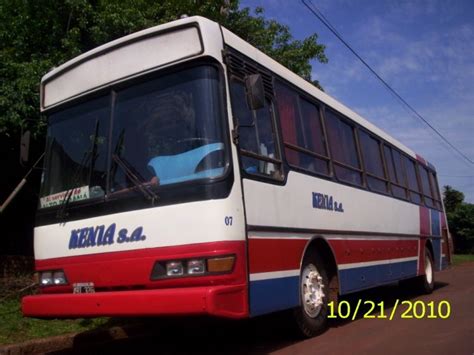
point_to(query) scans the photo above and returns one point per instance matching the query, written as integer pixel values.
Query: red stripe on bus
(421, 256)
(271, 254)
(267, 255)
(359, 251)
(425, 221)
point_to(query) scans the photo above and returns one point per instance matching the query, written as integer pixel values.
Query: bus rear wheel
(311, 315)
(425, 283)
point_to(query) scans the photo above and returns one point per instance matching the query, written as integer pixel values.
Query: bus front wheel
(311, 315)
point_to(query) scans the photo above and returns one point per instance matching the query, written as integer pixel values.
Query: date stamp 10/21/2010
(372, 310)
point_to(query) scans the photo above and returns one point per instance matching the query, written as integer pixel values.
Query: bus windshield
(166, 130)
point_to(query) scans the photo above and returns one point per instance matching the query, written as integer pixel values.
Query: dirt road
(270, 334)
(454, 335)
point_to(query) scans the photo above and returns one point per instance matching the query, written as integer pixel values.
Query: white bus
(188, 173)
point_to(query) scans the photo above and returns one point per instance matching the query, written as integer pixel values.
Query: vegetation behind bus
(460, 219)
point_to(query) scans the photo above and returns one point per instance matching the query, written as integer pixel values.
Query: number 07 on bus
(187, 173)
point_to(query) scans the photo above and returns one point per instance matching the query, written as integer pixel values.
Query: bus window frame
(426, 197)
(360, 170)
(403, 172)
(302, 96)
(435, 193)
(386, 178)
(273, 119)
(417, 179)
(438, 198)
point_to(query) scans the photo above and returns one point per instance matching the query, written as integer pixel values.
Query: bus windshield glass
(165, 131)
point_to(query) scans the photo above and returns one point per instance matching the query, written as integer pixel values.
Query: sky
(424, 49)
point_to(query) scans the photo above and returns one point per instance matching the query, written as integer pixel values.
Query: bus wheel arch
(429, 246)
(424, 282)
(318, 286)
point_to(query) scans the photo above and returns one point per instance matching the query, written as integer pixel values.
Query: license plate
(84, 287)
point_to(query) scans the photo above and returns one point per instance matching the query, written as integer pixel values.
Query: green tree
(460, 219)
(452, 198)
(36, 35)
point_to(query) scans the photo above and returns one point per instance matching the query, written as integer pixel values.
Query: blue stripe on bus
(435, 223)
(360, 278)
(273, 295)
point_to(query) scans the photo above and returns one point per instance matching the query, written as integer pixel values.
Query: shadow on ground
(259, 335)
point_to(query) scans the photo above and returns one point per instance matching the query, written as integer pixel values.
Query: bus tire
(425, 283)
(311, 315)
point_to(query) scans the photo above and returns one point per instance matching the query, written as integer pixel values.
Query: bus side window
(341, 137)
(413, 186)
(434, 186)
(395, 172)
(425, 184)
(303, 136)
(373, 163)
(256, 132)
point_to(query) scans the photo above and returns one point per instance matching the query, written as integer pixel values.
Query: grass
(14, 328)
(462, 258)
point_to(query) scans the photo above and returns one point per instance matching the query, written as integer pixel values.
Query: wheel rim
(428, 270)
(312, 290)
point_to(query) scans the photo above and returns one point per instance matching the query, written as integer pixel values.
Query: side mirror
(255, 91)
(25, 147)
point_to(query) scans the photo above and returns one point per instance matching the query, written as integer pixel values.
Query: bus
(187, 173)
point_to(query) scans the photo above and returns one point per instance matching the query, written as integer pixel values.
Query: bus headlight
(46, 278)
(59, 278)
(52, 278)
(197, 266)
(174, 268)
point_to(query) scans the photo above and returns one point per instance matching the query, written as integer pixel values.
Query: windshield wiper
(88, 155)
(75, 179)
(93, 152)
(137, 180)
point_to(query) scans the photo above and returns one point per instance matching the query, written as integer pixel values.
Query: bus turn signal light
(221, 264)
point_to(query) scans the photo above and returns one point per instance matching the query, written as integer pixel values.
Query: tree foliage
(452, 199)
(36, 35)
(460, 219)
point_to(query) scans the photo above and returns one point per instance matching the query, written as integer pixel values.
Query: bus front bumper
(221, 301)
